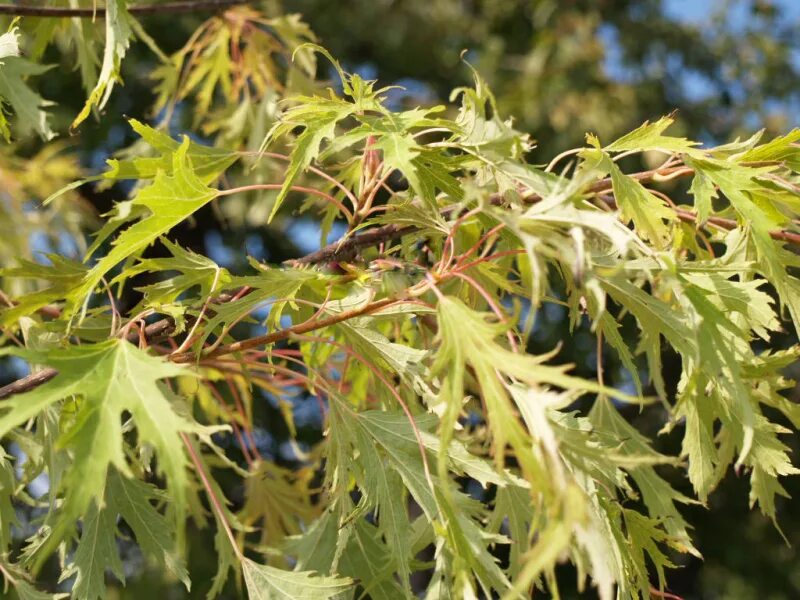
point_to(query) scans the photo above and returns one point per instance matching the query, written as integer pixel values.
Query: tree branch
(284, 334)
(34, 380)
(139, 9)
(164, 325)
(27, 383)
(347, 249)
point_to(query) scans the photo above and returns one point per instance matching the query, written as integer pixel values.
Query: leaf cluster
(445, 448)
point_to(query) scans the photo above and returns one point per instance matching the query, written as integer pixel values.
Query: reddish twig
(346, 249)
(215, 502)
(294, 188)
(284, 334)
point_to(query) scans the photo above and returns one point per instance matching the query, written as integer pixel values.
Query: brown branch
(688, 216)
(284, 334)
(347, 249)
(151, 332)
(781, 235)
(139, 9)
(27, 383)
(164, 326)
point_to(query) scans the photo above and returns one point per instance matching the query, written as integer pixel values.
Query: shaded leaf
(268, 583)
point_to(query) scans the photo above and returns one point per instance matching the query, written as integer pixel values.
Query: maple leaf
(118, 34)
(268, 583)
(636, 203)
(389, 439)
(425, 169)
(169, 199)
(318, 117)
(273, 288)
(649, 137)
(207, 163)
(111, 379)
(14, 575)
(658, 496)
(97, 551)
(63, 274)
(194, 270)
(8, 517)
(467, 339)
(278, 500)
(28, 105)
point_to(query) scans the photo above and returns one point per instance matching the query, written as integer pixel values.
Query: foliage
(454, 460)
(564, 68)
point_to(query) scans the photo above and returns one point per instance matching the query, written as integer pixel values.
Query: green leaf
(704, 192)
(400, 452)
(18, 579)
(389, 496)
(97, 549)
(118, 35)
(399, 151)
(739, 184)
(513, 506)
(318, 117)
(63, 275)
(467, 338)
(426, 169)
(133, 500)
(481, 126)
(655, 317)
(649, 137)
(170, 199)
(769, 460)
(370, 562)
(397, 428)
(316, 548)
(273, 288)
(28, 105)
(698, 444)
(112, 378)
(8, 485)
(609, 328)
(742, 297)
(781, 149)
(551, 541)
(96, 552)
(295, 33)
(644, 536)
(268, 583)
(207, 163)
(659, 497)
(648, 212)
(25, 591)
(194, 270)
(405, 361)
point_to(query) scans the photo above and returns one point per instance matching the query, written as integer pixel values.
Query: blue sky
(700, 10)
(696, 12)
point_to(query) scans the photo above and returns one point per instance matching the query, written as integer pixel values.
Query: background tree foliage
(319, 469)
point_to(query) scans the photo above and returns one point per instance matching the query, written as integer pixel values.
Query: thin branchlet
(21, 10)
